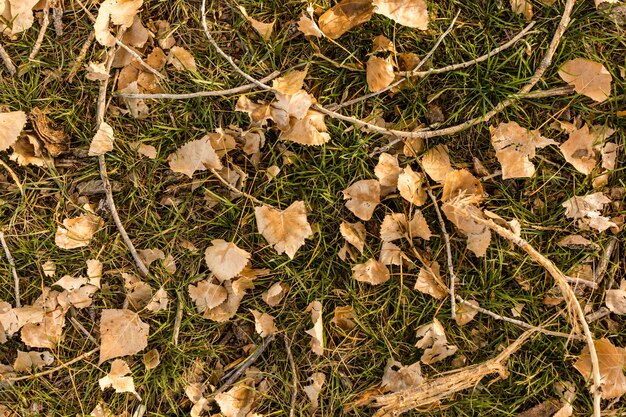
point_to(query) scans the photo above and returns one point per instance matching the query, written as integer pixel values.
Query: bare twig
(8, 63)
(606, 259)
(16, 279)
(42, 32)
(81, 56)
(581, 281)
(178, 320)
(245, 365)
(598, 314)
(57, 20)
(235, 190)
(294, 372)
(84, 331)
(216, 93)
(51, 370)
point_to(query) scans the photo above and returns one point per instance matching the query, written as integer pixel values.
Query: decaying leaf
(579, 150)
(27, 361)
(148, 256)
(478, 236)
(515, 147)
(587, 210)
(395, 226)
(49, 268)
(381, 43)
(263, 323)
(308, 27)
(313, 391)
(390, 254)
(462, 182)
(78, 231)
(317, 332)
(411, 13)
(465, 312)
(286, 229)
(118, 12)
(159, 301)
(429, 281)
(373, 272)
(398, 377)
(206, 295)
(522, 7)
(225, 259)
(197, 155)
(235, 290)
(181, 59)
(379, 73)
(411, 186)
(611, 360)
(117, 379)
(122, 333)
(275, 293)
(343, 318)
(28, 150)
(102, 142)
(151, 359)
(434, 342)
(363, 197)
(290, 83)
(577, 242)
(11, 125)
(588, 78)
(436, 163)
(345, 15)
(263, 29)
(310, 130)
(237, 401)
(387, 170)
(138, 293)
(16, 16)
(616, 299)
(354, 233)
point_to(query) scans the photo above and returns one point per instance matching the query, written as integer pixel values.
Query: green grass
(387, 315)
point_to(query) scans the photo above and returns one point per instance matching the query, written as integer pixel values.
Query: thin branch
(294, 372)
(16, 279)
(235, 190)
(8, 63)
(42, 32)
(606, 259)
(178, 320)
(81, 56)
(84, 331)
(218, 93)
(52, 370)
(57, 16)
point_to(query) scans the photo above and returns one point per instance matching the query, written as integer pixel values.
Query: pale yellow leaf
(588, 211)
(77, 232)
(263, 29)
(11, 125)
(308, 27)
(206, 295)
(390, 254)
(317, 332)
(462, 182)
(411, 13)
(465, 312)
(344, 16)
(615, 300)
(197, 155)
(354, 233)
(411, 186)
(225, 259)
(379, 73)
(478, 236)
(289, 83)
(310, 130)
(117, 12)
(522, 7)
(237, 401)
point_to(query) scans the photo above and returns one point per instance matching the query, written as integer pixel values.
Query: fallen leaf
(434, 342)
(515, 147)
(381, 43)
(77, 232)
(308, 27)
(290, 83)
(343, 318)
(263, 29)
(317, 332)
(390, 254)
(522, 7)
(587, 210)
(588, 78)
(411, 186)
(148, 256)
(181, 59)
(263, 323)
(363, 197)
(236, 290)
(148, 151)
(237, 401)
(207, 295)
(462, 182)
(387, 170)
(138, 293)
(225, 259)
(373, 272)
(117, 380)
(310, 130)
(118, 12)
(465, 312)
(398, 377)
(379, 73)
(27, 361)
(49, 268)
(136, 35)
(122, 333)
(478, 236)
(102, 142)
(286, 229)
(579, 151)
(344, 16)
(615, 300)
(159, 301)
(436, 163)
(577, 242)
(275, 293)
(354, 233)
(611, 360)
(28, 150)
(151, 359)
(313, 391)
(196, 155)
(164, 34)
(47, 333)
(429, 281)
(11, 125)
(411, 13)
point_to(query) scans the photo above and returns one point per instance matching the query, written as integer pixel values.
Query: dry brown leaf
(118, 12)
(317, 332)
(28, 150)
(78, 231)
(379, 73)
(295, 105)
(345, 15)
(237, 401)
(515, 147)
(522, 7)
(390, 254)
(429, 281)
(148, 151)
(137, 107)
(398, 377)
(411, 13)
(387, 170)
(46, 333)
(117, 379)
(354, 233)
(418, 226)
(122, 333)
(588, 78)
(18, 15)
(579, 150)
(236, 289)
(151, 359)
(290, 83)
(393, 227)
(615, 300)
(465, 312)
(275, 293)
(137, 35)
(102, 142)
(263, 323)
(609, 163)
(49, 268)
(164, 33)
(225, 259)
(313, 391)
(462, 182)
(197, 155)
(611, 360)
(436, 163)
(381, 43)
(478, 236)
(363, 197)
(308, 27)
(263, 29)
(411, 186)
(434, 342)
(138, 293)
(207, 295)
(373, 272)
(343, 318)
(577, 242)
(587, 210)
(27, 361)
(11, 125)
(159, 301)
(181, 59)
(286, 229)
(310, 130)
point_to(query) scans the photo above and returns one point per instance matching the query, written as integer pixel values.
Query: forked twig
(16, 279)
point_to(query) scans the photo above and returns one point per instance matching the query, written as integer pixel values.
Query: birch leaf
(197, 155)
(117, 12)
(373, 272)
(587, 210)
(206, 295)
(117, 379)
(362, 198)
(181, 59)
(286, 229)
(379, 73)
(290, 83)
(579, 150)
(466, 312)
(354, 233)
(317, 332)
(429, 281)
(411, 13)
(263, 29)
(313, 391)
(398, 377)
(11, 125)
(225, 259)
(102, 142)
(344, 16)
(263, 323)
(387, 170)
(275, 293)
(588, 78)
(78, 231)
(122, 333)
(411, 186)
(611, 360)
(434, 342)
(436, 163)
